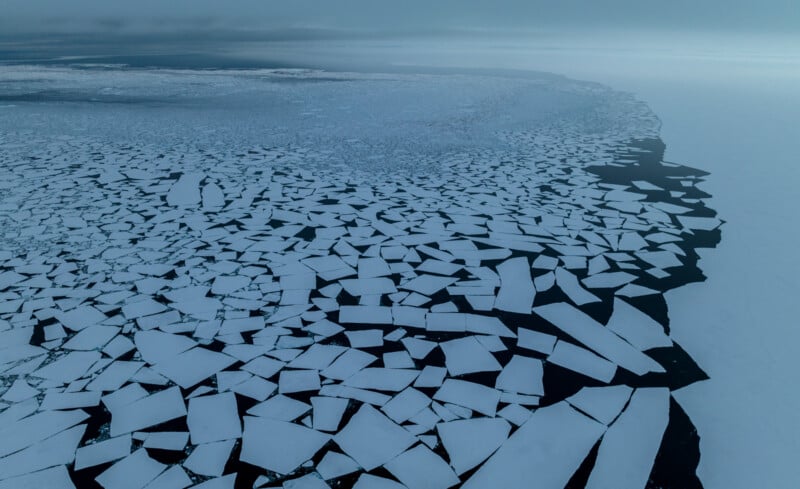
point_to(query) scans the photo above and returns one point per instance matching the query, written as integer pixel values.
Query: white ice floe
(384, 379)
(69, 400)
(365, 314)
(373, 267)
(469, 395)
(547, 449)
(516, 292)
(328, 411)
(636, 327)
(350, 362)
(583, 361)
(91, 338)
(191, 367)
(308, 481)
(601, 403)
(292, 381)
(19, 391)
(172, 478)
(597, 337)
(103, 452)
(157, 346)
(148, 411)
(430, 376)
(186, 191)
(213, 196)
(335, 464)
(280, 407)
(81, 317)
(515, 414)
(471, 441)
(372, 439)
(522, 375)
(366, 286)
(608, 280)
(56, 450)
(417, 347)
(420, 468)
(263, 366)
(264, 444)
(628, 449)
(114, 376)
(405, 405)
(467, 355)
(428, 284)
(209, 459)
(368, 481)
(536, 341)
(224, 482)
(141, 308)
(365, 338)
(409, 316)
(213, 418)
(68, 368)
(398, 359)
(569, 284)
(132, 472)
(167, 440)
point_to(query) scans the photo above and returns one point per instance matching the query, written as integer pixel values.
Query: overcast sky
(399, 16)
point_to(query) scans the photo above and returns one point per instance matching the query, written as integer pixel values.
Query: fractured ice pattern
(176, 315)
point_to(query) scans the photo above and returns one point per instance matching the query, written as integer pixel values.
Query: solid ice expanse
(205, 257)
(750, 296)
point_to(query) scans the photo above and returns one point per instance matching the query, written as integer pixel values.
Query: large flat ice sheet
(595, 336)
(626, 454)
(544, 451)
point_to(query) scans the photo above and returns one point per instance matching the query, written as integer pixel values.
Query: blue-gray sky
(399, 16)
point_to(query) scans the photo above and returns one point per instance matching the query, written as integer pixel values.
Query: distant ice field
(307, 279)
(363, 120)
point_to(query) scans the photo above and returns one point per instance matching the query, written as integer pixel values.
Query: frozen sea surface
(283, 278)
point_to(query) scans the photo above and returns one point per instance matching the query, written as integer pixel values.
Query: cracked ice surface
(309, 280)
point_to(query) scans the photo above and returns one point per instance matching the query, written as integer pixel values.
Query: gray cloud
(401, 16)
